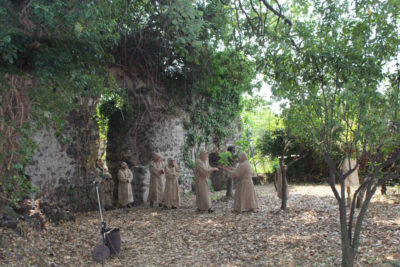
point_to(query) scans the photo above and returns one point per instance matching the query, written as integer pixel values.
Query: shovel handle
(103, 224)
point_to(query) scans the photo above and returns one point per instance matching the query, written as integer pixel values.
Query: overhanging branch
(278, 14)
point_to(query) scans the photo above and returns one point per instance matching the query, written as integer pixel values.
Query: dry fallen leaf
(306, 234)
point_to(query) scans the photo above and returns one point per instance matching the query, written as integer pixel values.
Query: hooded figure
(352, 180)
(107, 187)
(171, 193)
(202, 171)
(125, 196)
(156, 181)
(245, 195)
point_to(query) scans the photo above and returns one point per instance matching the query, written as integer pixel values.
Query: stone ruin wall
(65, 173)
(135, 140)
(51, 165)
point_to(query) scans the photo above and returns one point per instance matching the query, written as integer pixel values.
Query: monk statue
(156, 191)
(202, 171)
(171, 193)
(107, 188)
(125, 196)
(352, 180)
(245, 195)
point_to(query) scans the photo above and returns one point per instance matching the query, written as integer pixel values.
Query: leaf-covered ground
(304, 235)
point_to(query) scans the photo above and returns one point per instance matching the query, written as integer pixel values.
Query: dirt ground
(306, 234)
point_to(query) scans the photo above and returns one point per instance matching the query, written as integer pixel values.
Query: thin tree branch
(247, 17)
(304, 154)
(278, 14)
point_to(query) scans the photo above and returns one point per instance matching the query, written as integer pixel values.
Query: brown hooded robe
(171, 193)
(107, 187)
(245, 195)
(202, 173)
(156, 190)
(125, 195)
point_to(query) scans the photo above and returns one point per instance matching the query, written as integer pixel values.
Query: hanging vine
(15, 145)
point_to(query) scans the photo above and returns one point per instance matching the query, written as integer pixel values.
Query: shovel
(111, 237)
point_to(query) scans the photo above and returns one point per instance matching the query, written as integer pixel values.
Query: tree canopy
(335, 62)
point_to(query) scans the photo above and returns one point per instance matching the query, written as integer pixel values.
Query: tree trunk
(347, 250)
(360, 218)
(229, 186)
(284, 184)
(359, 199)
(383, 189)
(347, 257)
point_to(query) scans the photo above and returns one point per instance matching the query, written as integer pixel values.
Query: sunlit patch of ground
(306, 234)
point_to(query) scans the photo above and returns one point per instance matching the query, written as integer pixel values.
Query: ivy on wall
(53, 60)
(61, 53)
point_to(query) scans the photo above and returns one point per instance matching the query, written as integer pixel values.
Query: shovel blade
(100, 253)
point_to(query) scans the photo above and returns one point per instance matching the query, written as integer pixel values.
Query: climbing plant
(52, 60)
(59, 57)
